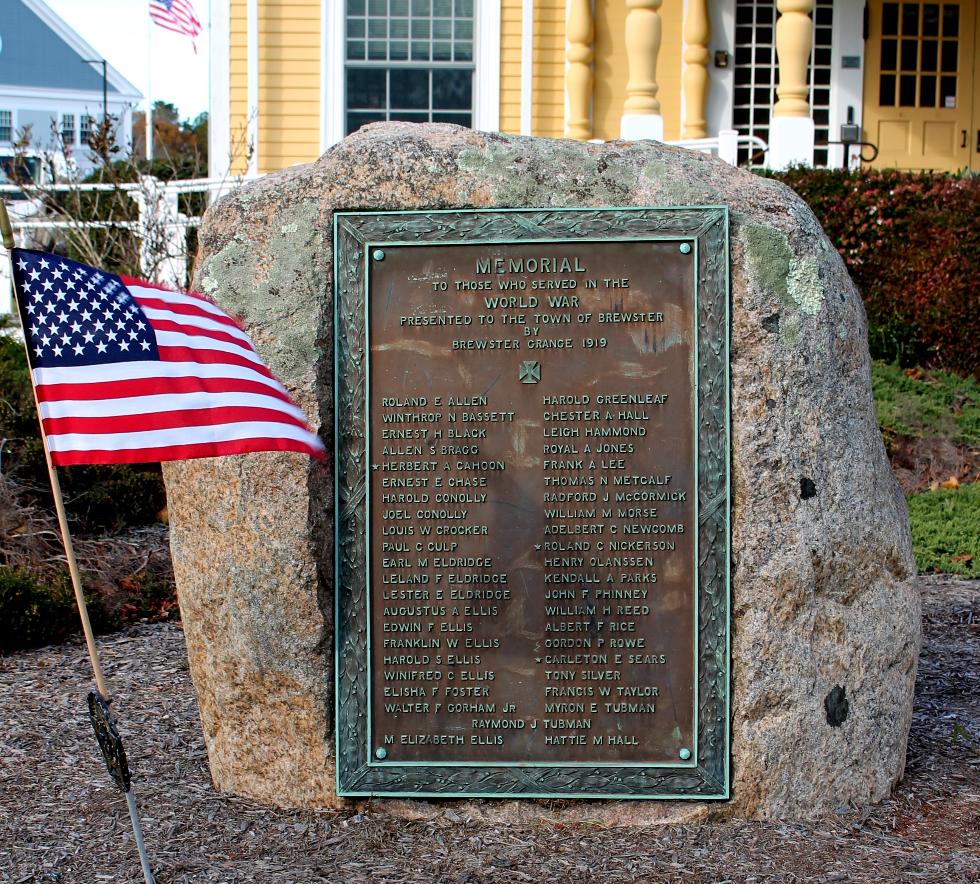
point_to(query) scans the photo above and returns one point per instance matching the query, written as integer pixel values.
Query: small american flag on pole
(128, 372)
(176, 15)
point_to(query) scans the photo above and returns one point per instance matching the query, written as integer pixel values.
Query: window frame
(333, 63)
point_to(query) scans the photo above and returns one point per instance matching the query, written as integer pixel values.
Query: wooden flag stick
(7, 234)
(59, 503)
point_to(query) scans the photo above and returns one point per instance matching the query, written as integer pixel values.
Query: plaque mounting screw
(382, 753)
(685, 753)
(685, 248)
(379, 254)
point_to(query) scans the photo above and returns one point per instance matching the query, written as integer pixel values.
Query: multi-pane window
(409, 60)
(86, 128)
(919, 54)
(68, 128)
(6, 125)
(757, 74)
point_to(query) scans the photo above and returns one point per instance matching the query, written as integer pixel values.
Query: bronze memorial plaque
(532, 470)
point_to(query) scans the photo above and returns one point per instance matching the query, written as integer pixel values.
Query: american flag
(176, 15)
(129, 372)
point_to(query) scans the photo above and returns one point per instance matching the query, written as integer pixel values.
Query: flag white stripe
(139, 291)
(200, 322)
(163, 402)
(199, 342)
(177, 436)
(141, 371)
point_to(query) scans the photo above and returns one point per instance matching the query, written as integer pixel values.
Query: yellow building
(758, 81)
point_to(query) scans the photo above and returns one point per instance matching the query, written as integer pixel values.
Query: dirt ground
(60, 820)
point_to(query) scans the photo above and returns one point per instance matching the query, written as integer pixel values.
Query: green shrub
(39, 609)
(946, 530)
(911, 243)
(32, 614)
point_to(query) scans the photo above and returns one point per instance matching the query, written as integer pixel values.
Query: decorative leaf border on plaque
(354, 235)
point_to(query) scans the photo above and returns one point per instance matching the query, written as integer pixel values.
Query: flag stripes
(175, 15)
(131, 373)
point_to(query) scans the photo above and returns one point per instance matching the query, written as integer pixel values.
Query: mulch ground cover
(60, 820)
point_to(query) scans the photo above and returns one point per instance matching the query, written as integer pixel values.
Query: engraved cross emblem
(529, 372)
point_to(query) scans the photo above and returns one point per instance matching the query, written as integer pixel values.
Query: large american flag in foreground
(128, 372)
(176, 15)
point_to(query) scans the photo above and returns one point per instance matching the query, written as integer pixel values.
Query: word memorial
(532, 474)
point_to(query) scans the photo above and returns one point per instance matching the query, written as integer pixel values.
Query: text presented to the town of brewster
(532, 487)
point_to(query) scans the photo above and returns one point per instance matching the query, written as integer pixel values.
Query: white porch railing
(725, 145)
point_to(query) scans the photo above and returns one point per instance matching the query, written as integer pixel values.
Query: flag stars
(101, 346)
(78, 349)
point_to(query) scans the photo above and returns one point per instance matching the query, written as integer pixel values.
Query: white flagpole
(7, 235)
(149, 83)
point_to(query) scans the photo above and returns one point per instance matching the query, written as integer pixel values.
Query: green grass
(946, 530)
(937, 404)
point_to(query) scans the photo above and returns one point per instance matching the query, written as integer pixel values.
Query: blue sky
(118, 30)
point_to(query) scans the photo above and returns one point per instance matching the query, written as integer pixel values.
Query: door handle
(963, 135)
(978, 140)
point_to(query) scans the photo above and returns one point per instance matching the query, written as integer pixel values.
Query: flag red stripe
(189, 354)
(170, 325)
(197, 417)
(154, 386)
(188, 310)
(181, 452)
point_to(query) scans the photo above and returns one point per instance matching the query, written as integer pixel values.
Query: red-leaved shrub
(911, 242)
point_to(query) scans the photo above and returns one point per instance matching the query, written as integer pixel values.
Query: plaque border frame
(707, 775)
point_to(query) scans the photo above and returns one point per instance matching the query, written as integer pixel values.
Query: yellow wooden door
(919, 89)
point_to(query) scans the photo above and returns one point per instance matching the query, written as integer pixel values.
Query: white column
(486, 55)
(641, 110)
(527, 66)
(791, 131)
(252, 62)
(219, 106)
(728, 146)
(333, 52)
